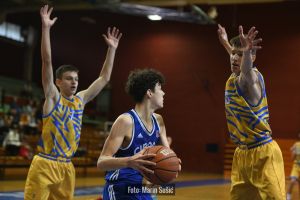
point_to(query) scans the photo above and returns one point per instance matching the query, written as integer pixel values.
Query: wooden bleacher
(228, 156)
(91, 140)
(285, 145)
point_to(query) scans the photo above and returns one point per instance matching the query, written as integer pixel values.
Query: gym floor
(189, 186)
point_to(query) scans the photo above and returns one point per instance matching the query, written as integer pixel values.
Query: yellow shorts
(295, 171)
(50, 179)
(258, 173)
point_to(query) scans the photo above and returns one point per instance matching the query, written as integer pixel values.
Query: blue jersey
(128, 177)
(140, 139)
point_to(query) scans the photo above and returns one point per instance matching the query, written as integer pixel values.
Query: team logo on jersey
(157, 134)
(141, 147)
(140, 135)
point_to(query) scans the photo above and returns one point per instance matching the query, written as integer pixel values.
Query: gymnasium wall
(195, 66)
(195, 70)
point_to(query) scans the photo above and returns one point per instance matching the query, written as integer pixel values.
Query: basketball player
(122, 155)
(257, 168)
(294, 177)
(51, 174)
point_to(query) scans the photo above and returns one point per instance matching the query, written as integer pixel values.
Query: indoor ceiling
(199, 2)
(160, 3)
(173, 10)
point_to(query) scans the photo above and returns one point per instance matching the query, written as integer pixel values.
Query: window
(11, 31)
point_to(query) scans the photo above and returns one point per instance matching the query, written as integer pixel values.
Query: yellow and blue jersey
(61, 129)
(295, 172)
(247, 124)
(296, 151)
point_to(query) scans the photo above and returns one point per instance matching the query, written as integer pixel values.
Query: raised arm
(121, 128)
(50, 90)
(112, 40)
(248, 79)
(223, 38)
(248, 75)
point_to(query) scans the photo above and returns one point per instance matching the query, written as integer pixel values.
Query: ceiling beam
(188, 2)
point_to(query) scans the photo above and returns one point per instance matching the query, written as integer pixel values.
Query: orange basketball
(167, 165)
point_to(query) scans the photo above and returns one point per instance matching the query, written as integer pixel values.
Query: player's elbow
(105, 76)
(106, 79)
(46, 61)
(101, 164)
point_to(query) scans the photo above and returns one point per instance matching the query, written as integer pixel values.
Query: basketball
(167, 165)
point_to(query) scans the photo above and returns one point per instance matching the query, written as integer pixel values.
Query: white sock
(288, 196)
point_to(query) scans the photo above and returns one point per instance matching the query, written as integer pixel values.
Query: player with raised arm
(52, 174)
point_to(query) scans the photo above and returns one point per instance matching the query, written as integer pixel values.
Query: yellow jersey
(247, 124)
(296, 152)
(62, 128)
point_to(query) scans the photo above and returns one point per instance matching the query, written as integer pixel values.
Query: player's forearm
(47, 71)
(45, 45)
(108, 64)
(106, 163)
(164, 142)
(227, 46)
(246, 64)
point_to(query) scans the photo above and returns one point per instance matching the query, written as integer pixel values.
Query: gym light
(154, 17)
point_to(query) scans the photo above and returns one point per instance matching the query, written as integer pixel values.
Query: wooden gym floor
(189, 187)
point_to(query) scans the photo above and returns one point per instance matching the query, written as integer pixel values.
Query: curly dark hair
(140, 80)
(65, 68)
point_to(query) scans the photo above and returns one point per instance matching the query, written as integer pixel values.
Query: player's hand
(222, 34)
(45, 17)
(179, 169)
(248, 41)
(179, 160)
(112, 38)
(140, 162)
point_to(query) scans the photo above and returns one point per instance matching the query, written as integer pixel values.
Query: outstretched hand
(222, 34)
(112, 38)
(248, 41)
(45, 16)
(141, 162)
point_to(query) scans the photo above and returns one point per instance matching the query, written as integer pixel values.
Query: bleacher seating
(24, 97)
(91, 141)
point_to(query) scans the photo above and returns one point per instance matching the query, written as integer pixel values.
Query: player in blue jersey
(122, 155)
(257, 168)
(51, 174)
